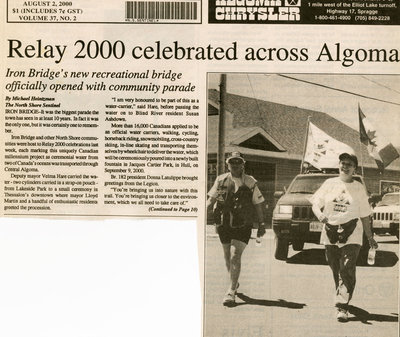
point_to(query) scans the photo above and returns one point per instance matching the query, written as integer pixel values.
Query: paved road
(295, 298)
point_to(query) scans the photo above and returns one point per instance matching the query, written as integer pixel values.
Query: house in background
(271, 138)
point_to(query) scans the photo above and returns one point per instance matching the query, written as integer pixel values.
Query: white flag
(322, 151)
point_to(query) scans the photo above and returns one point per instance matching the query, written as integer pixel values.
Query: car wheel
(298, 245)
(281, 249)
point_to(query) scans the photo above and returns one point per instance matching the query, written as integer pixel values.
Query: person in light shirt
(234, 228)
(341, 204)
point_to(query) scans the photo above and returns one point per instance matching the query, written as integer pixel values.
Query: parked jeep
(293, 220)
(386, 215)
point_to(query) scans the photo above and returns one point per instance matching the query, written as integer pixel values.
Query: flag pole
(305, 144)
(221, 127)
(361, 154)
(362, 162)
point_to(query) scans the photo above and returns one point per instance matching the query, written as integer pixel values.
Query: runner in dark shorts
(233, 224)
(227, 235)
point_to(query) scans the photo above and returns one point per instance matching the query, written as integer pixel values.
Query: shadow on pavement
(382, 259)
(361, 315)
(268, 303)
(310, 256)
(317, 257)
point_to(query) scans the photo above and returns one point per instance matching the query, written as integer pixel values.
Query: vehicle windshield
(309, 184)
(390, 199)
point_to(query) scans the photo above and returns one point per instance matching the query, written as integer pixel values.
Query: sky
(384, 116)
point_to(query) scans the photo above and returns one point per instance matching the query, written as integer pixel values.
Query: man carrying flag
(378, 147)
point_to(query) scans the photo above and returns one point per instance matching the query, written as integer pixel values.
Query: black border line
(102, 215)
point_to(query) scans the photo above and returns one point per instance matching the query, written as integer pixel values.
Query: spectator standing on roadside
(235, 196)
(340, 203)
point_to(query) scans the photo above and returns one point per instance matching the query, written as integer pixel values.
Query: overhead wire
(254, 97)
(380, 84)
(337, 89)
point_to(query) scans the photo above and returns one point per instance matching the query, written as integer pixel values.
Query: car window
(390, 199)
(309, 184)
(306, 185)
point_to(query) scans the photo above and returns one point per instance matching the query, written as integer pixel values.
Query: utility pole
(221, 127)
(305, 144)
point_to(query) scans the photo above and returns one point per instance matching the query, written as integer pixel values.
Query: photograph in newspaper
(296, 165)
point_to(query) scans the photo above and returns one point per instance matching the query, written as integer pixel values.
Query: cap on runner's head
(235, 157)
(351, 156)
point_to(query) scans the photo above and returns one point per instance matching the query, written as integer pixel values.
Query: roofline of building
(262, 154)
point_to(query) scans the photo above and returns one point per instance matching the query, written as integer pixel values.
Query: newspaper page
(159, 161)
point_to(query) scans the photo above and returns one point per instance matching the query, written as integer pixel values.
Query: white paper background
(99, 278)
(137, 277)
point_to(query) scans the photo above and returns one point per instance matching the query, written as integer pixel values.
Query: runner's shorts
(226, 234)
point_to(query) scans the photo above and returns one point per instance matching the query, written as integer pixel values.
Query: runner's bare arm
(366, 222)
(210, 202)
(320, 216)
(260, 216)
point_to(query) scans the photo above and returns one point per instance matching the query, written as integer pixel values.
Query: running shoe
(342, 315)
(229, 299)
